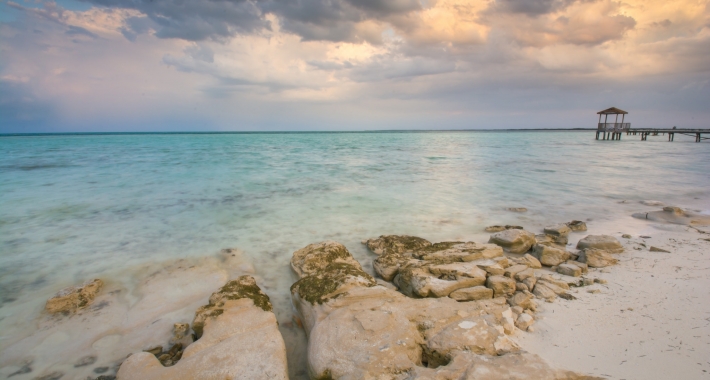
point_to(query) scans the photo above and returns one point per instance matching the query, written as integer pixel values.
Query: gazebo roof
(612, 111)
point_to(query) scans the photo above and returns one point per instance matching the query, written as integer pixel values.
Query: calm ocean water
(74, 207)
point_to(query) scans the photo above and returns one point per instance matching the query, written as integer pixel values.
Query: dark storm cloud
(532, 7)
(332, 20)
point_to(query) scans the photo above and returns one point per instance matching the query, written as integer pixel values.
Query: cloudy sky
(158, 65)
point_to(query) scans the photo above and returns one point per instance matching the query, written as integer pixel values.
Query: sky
(278, 65)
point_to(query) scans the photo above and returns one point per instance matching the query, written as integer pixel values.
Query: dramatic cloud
(348, 64)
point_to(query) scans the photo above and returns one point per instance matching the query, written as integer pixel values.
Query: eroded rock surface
(388, 244)
(514, 240)
(502, 228)
(358, 329)
(70, 299)
(438, 269)
(577, 225)
(239, 339)
(597, 258)
(550, 255)
(601, 242)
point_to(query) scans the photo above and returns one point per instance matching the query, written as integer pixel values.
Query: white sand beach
(651, 320)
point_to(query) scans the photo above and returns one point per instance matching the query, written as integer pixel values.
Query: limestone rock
(72, 298)
(387, 265)
(436, 270)
(513, 241)
(524, 321)
(181, 334)
(656, 249)
(242, 341)
(314, 258)
(502, 286)
(371, 332)
(491, 267)
(601, 242)
(458, 251)
(553, 240)
(557, 230)
(569, 270)
(522, 275)
(472, 294)
(242, 287)
(596, 258)
(549, 255)
(521, 299)
(502, 228)
(577, 225)
(531, 261)
(556, 282)
(530, 282)
(584, 267)
(420, 282)
(513, 270)
(543, 291)
(398, 244)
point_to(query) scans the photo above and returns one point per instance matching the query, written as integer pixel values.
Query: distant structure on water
(612, 131)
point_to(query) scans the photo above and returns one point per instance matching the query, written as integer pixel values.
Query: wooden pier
(613, 131)
(671, 132)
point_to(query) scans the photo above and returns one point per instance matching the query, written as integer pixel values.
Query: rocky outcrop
(552, 240)
(397, 244)
(596, 258)
(238, 339)
(502, 228)
(550, 255)
(438, 269)
(601, 242)
(472, 294)
(357, 329)
(577, 226)
(569, 270)
(675, 215)
(558, 230)
(70, 299)
(514, 240)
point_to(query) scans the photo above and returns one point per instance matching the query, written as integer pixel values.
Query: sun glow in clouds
(341, 64)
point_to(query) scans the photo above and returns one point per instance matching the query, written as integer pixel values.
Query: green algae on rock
(321, 287)
(314, 258)
(242, 287)
(396, 244)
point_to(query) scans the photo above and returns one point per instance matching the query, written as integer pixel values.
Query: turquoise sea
(74, 207)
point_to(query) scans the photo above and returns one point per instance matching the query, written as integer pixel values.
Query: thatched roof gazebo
(612, 131)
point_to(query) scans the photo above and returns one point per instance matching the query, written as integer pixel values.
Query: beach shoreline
(644, 322)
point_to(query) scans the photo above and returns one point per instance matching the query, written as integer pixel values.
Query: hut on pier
(612, 131)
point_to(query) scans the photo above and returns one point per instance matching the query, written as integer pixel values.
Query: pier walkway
(612, 133)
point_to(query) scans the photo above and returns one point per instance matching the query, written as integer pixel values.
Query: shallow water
(74, 207)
